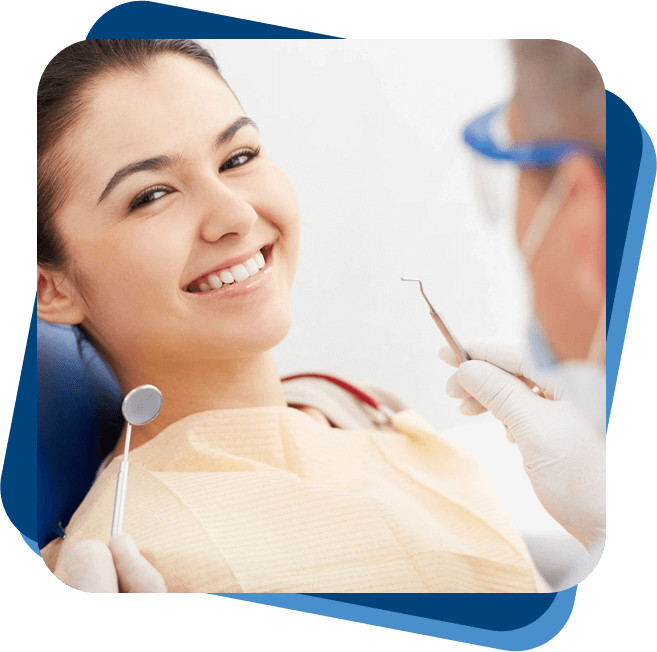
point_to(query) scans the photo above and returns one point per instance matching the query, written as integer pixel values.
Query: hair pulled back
(61, 100)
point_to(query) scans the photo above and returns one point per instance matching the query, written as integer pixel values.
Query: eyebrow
(156, 163)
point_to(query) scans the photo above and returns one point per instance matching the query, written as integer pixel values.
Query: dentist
(553, 134)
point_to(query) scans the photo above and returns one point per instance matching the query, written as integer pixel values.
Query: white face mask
(582, 383)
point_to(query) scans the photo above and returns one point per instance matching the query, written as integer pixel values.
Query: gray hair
(559, 92)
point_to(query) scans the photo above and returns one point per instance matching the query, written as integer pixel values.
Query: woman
(171, 238)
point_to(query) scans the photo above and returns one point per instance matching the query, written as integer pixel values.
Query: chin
(261, 337)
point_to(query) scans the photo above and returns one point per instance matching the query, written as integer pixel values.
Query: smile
(229, 276)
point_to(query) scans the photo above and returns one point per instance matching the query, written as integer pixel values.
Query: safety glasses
(497, 159)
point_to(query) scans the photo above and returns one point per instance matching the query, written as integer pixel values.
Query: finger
(90, 567)
(512, 357)
(534, 387)
(543, 383)
(471, 407)
(506, 396)
(507, 355)
(545, 390)
(447, 355)
(135, 574)
(453, 389)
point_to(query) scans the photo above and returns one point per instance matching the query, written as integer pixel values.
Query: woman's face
(171, 191)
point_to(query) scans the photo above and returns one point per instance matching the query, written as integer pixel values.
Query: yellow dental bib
(270, 500)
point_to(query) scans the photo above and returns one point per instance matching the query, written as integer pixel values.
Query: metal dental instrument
(454, 344)
(139, 407)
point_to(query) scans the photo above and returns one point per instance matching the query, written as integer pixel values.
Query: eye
(239, 158)
(148, 196)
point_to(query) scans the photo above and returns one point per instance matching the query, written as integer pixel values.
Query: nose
(225, 211)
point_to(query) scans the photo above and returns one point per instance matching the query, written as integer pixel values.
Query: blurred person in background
(553, 135)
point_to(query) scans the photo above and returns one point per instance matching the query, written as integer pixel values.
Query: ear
(57, 300)
(587, 228)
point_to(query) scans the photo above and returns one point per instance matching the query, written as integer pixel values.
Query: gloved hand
(563, 455)
(95, 567)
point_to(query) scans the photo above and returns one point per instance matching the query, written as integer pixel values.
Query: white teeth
(236, 274)
(239, 273)
(251, 267)
(214, 281)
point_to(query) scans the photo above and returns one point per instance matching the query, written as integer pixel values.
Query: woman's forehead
(175, 102)
(176, 106)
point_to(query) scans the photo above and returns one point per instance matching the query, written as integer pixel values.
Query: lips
(226, 266)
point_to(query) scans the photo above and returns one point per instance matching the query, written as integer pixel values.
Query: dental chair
(79, 422)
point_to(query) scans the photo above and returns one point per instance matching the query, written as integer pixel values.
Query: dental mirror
(140, 407)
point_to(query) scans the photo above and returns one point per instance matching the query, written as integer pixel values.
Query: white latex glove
(563, 455)
(95, 567)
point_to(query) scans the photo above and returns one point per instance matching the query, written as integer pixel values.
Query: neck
(202, 386)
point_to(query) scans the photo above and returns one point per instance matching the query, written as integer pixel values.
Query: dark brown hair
(61, 100)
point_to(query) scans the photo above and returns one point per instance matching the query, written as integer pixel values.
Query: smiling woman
(171, 238)
(170, 184)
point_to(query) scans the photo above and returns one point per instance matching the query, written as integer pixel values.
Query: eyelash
(138, 201)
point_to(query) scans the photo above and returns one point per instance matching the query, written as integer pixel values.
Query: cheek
(278, 201)
(525, 207)
(137, 266)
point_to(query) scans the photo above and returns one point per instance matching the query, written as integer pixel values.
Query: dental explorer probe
(139, 407)
(454, 344)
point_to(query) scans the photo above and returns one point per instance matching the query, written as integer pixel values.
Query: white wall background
(369, 133)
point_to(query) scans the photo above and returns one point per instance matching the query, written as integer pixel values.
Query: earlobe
(56, 300)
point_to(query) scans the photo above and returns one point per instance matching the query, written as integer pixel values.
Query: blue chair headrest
(78, 424)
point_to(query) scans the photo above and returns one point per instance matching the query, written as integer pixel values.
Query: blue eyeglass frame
(478, 136)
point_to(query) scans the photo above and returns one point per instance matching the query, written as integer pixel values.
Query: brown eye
(148, 196)
(239, 158)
